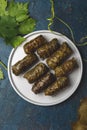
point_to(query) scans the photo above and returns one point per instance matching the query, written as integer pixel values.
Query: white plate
(23, 88)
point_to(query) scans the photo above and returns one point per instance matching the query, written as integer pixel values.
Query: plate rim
(29, 100)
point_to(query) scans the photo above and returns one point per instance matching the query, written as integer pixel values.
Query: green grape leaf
(16, 41)
(18, 10)
(27, 26)
(3, 5)
(8, 27)
(13, 16)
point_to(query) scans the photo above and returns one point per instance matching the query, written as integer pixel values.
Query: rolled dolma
(66, 67)
(59, 56)
(56, 86)
(47, 49)
(43, 82)
(22, 65)
(34, 44)
(35, 73)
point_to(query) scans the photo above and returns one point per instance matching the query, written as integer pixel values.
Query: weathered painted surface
(17, 114)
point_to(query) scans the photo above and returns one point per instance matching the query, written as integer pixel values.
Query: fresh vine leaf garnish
(3, 5)
(27, 26)
(14, 15)
(18, 10)
(8, 27)
(1, 74)
(16, 41)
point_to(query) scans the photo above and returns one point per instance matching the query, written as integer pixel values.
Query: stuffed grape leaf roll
(34, 44)
(47, 49)
(56, 86)
(24, 64)
(43, 82)
(36, 72)
(59, 56)
(66, 67)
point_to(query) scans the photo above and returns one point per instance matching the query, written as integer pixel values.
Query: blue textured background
(17, 114)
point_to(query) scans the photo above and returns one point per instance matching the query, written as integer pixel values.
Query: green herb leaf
(1, 74)
(18, 10)
(16, 41)
(8, 27)
(27, 26)
(3, 5)
(12, 16)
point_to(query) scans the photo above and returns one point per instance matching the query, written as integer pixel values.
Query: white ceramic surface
(23, 88)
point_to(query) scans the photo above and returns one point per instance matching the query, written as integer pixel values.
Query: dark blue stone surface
(17, 114)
